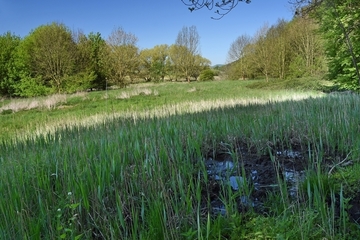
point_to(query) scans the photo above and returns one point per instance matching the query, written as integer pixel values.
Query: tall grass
(141, 175)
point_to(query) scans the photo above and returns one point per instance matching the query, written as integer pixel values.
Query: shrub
(207, 75)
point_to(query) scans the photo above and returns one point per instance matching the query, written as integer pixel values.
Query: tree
(146, 62)
(183, 54)
(277, 38)
(26, 83)
(201, 64)
(340, 26)
(89, 62)
(207, 75)
(8, 45)
(122, 56)
(154, 63)
(236, 55)
(260, 52)
(306, 48)
(52, 54)
(222, 8)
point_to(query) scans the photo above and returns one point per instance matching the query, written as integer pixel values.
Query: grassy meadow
(131, 163)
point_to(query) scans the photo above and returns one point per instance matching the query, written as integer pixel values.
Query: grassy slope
(134, 178)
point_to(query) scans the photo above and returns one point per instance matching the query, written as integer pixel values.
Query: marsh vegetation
(100, 166)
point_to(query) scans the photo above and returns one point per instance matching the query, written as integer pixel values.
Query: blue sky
(153, 22)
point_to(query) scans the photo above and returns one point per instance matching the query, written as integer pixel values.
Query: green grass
(136, 170)
(41, 114)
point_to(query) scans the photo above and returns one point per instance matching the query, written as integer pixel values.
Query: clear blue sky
(153, 22)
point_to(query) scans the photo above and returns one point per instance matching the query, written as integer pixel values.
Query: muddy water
(261, 176)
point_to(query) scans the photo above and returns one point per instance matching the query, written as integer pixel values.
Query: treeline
(322, 40)
(284, 50)
(53, 59)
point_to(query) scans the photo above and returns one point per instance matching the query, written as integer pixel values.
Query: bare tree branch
(222, 7)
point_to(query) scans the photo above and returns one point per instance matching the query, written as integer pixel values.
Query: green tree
(339, 22)
(207, 75)
(306, 47)
(98, 46)
(89, 61)
(8, 45)
(183, 53)
(145, 65)
(53, 54)
(154, 63)
(277, 37)
(260, 52)
(340, 25)
(122, 56)
(25, 83)
(201, 64)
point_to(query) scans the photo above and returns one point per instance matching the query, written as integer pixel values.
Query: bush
(207, 75)
(31, 87)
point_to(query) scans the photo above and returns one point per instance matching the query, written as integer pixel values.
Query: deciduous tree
(236, 56)
(52, 52)
(339, 21)
(122, 56)
(260, 52)
(8, 45)
(154, 64)
(90, 55)
(185, 50)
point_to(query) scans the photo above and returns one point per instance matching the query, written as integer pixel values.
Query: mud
(253, 177)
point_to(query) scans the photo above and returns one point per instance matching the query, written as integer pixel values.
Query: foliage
(184, 53)
(154, 63)
(339, 23)
(340, 26)
(240, 66)
(8, 44)
(90, 58)
(283, 50)
(121, 57)
(207, 75)
(51, 48)
(59, 60)
(79, 82)
(31, 87)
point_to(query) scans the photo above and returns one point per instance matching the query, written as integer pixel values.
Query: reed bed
(142, 176)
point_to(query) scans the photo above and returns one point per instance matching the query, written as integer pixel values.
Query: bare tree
(237, 48)
(236, 54)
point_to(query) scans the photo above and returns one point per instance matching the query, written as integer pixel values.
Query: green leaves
(8, 45)
(339, 25)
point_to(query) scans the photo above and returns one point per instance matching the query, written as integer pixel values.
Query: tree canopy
(54, 59)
